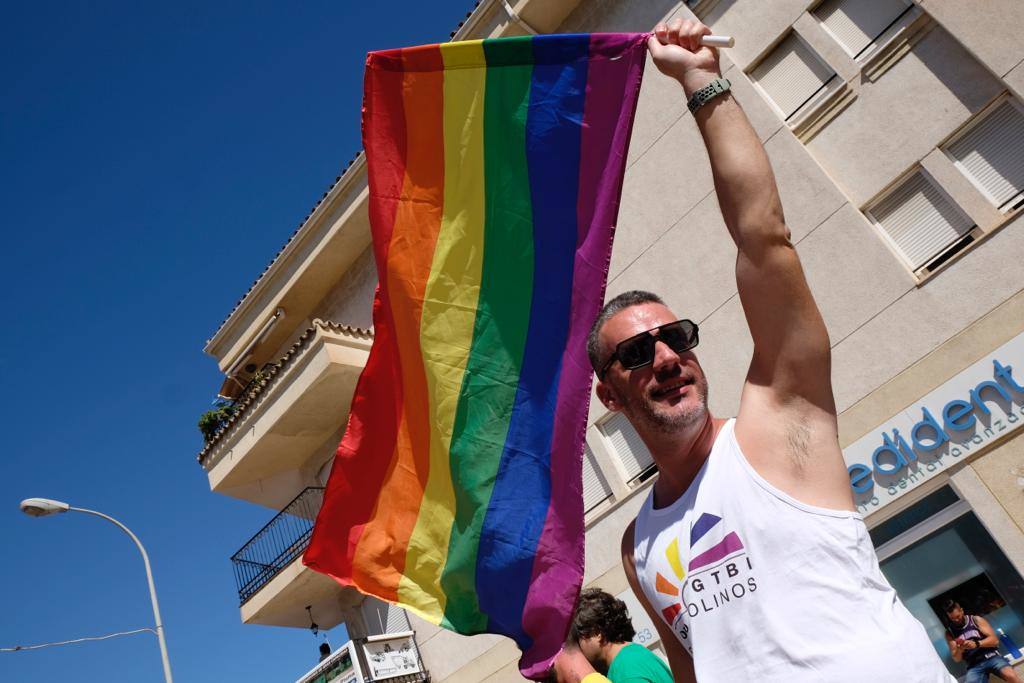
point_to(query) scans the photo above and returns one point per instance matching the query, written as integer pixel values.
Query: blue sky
(153, 161)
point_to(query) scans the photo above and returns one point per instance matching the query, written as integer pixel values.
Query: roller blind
(627, 445)
(595, 487)
(920, 219)
(791, 75)
(992, 153)
(383, 615)
(855, 24)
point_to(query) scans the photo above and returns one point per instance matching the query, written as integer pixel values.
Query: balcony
(297, 407)
(274, 586)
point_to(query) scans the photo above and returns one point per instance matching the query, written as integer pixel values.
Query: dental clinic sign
(976, 408)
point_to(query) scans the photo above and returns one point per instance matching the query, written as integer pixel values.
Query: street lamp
(41, 507)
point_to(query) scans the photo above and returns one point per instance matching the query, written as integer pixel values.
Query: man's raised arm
(790, 374)
(791, 345)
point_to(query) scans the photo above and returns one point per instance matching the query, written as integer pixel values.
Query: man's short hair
(598, 613)
(950, 605)
(623, 301)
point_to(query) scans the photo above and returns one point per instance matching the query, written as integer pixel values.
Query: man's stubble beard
(646, 413)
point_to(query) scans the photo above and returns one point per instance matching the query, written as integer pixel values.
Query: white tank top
(758, 586)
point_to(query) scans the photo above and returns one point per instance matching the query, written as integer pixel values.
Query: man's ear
(607, 396)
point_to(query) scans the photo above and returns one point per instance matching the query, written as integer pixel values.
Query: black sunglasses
(638, 350)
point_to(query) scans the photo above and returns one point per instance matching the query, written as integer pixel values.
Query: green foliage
(213, 420)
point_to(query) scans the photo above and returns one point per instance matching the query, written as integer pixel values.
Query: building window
(990, 152)
(858, 25)
(948, 554)
(633, 456)
(595, 486)
(921, 222)
(793, 77)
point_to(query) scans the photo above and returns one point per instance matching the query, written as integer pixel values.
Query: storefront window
(950, 555)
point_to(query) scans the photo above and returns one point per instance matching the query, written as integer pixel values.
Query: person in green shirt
(604, 631)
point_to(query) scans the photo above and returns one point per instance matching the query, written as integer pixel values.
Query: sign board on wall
(391, 655)
(980, 405)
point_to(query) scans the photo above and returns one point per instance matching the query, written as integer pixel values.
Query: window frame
(832, 85)
(640, 478)
(968, 237)
(602, 476)
(1015, 202)
(909, 14)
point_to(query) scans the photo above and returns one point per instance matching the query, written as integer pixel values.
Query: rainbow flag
(495, 169)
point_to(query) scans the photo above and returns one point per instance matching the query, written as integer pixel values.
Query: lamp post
(41, 507)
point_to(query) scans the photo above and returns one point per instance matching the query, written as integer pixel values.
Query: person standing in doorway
(972, 641)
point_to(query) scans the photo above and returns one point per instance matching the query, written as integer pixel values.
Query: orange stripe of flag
(381, 553)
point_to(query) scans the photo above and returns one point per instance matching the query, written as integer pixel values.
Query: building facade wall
(885, 322)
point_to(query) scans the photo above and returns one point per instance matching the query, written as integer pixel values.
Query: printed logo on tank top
(718, 573)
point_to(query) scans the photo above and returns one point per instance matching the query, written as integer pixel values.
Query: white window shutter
(856, 24)
(398, 620)
(382, 617)
(595, 487)
(629, 448)
(992, 153)
(920, 220)
(791, 75)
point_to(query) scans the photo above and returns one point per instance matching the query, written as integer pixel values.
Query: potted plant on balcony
(212, 421)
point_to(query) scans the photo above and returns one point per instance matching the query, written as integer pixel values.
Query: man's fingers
(674, 28)
(691, 35)
(654, 44)
(686, 36)
(661, 32)
(684, 33)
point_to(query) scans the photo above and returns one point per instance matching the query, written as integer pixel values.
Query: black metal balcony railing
(276, 545)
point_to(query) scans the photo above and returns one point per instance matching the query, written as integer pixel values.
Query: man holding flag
(748, 554)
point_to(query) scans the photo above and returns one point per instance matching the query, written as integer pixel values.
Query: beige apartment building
(896, 131)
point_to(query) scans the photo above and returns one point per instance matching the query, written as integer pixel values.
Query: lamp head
(41, 507)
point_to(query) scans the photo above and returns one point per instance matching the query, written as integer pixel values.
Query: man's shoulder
(636, 664)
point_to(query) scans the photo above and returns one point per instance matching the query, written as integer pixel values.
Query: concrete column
(992, 515)
(354, 621)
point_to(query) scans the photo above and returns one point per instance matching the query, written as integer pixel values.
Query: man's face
(956, 614)
(668, 395)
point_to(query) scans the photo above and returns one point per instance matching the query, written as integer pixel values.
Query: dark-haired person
(748, 554)
(971, 640)
(604, 631)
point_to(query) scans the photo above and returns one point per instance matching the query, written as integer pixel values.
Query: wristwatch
(708, 93)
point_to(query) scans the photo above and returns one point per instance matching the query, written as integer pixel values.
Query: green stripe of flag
(503, 314)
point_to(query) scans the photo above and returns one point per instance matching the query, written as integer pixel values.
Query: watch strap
(709, 92)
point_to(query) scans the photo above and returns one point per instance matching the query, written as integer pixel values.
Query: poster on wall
(392, 655)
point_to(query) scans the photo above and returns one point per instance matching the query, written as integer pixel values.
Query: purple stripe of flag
(613, 85)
